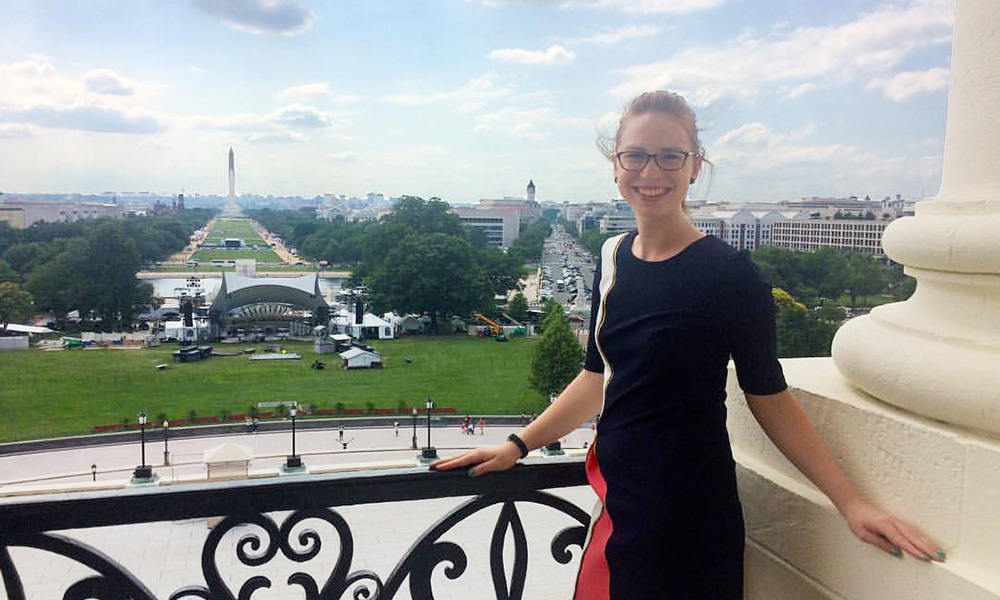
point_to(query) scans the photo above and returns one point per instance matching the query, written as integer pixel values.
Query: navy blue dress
(662, 335)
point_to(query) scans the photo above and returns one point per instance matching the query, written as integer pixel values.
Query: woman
(670, 307)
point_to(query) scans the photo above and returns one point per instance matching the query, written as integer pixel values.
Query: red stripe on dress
(593, 582)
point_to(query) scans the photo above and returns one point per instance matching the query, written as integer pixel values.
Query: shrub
(370, 406)
(340, 408)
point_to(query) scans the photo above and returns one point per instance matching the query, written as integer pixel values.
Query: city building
(500, 226)
(21, 214)
(619, 220)
(850, 235)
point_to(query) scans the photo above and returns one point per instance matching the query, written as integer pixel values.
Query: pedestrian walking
(340, 434)
(481, 425)
(395, 427)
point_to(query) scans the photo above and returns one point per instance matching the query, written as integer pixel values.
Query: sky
(467, 99)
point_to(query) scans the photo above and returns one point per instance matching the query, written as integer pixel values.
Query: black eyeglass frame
(656, 159)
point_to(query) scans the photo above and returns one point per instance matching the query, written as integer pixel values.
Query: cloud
(474, 94)
(344, 157)
(316, 92)
(38, 66)
(756, 146)
(905, 85)
(285, 17)
(83, 117)
(15, 132)
(872, 44)
(616, 36)
(527, 123)
(555, 55)
(106, 81)
(277, 137)
(647, 6)
(627, 6)
(301, 117)
(199, 70)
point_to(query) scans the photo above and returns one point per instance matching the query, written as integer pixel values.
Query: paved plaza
(166, 556)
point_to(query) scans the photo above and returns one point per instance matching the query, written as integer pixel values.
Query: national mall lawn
(49, 394)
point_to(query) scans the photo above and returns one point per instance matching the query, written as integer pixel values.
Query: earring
(616, 180)
(692, 181)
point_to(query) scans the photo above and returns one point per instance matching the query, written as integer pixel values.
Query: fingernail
(896, 552)
(925, 556)
(941, 555)
(472, 471)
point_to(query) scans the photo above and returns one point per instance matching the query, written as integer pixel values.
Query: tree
(518, 308)
(8, 274)
(558, 356)
(61, 283)
(549, 307)
(864, 276)
(801, 332)
(16, 305)
(433, 273)
(113, 261)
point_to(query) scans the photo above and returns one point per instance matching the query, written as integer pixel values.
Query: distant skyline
(466, 99)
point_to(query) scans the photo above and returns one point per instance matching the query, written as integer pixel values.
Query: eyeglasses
(636, 160)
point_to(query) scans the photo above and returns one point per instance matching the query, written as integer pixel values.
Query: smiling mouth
(652, 192)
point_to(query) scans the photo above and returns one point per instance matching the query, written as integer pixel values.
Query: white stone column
(938, 353)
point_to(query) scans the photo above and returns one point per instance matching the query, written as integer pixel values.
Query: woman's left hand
(890, 533)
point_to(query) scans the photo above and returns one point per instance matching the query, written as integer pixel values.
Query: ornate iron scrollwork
(261, 546)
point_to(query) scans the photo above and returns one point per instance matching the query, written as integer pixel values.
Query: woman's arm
(581, 400)
(783, 420)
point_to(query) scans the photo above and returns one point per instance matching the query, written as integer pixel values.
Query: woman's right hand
(482, 460)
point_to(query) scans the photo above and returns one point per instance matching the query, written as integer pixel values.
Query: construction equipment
(496, 328)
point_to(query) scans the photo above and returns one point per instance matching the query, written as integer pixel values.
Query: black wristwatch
(519, 443)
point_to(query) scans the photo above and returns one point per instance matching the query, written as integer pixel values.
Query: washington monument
(231, 208)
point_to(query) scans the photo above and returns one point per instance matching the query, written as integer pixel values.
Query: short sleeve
(748, 317)
(594, 362)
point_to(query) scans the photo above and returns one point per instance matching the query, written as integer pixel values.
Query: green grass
(48, 394)
(233, 228)
(206, 255)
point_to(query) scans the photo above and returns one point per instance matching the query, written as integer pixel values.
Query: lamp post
(143, 472)
(429, 453)
(414, 444)
(293, 462)
(166, 435)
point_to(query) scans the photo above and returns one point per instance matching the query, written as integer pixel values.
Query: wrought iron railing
(30, 522)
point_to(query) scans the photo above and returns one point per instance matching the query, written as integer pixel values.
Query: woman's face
(653, 192)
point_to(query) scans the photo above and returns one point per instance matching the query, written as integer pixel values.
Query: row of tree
(824, 275)
(90, 265)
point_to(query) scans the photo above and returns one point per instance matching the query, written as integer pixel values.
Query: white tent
(357, 358)
(28, 329)
(371, 326)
